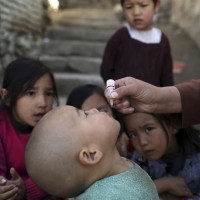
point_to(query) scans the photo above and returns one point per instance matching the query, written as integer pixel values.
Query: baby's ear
(90, 156)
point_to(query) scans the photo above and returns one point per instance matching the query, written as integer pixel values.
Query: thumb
(14, 174)
(123, 91)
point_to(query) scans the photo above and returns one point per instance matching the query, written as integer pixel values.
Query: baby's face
(98, 102)
(96, 127)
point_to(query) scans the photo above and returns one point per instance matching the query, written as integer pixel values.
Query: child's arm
(172, 185)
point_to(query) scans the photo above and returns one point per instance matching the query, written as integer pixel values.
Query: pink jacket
(12, 147)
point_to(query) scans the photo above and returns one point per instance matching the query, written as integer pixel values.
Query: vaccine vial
(110, 86)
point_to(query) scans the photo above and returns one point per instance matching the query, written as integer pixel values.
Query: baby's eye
(86, 113)
(102, 110)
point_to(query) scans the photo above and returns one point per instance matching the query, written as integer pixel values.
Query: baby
(72, 153)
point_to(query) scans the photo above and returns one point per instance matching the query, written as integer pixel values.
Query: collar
(152, 36)
(20, 128)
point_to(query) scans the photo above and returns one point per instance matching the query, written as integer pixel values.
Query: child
(73, 152)
(171, 156)
(90, 96)
(28, 93)
(139, 50)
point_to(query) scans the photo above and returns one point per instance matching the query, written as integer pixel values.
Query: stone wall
(21, 26)
(21, 15)
(164, 13)
(186, 14)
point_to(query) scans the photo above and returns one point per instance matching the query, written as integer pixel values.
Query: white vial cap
(110, 82)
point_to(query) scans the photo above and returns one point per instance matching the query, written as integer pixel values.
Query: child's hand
(7, 191)
(17, 180)
(174, 186)
(179, 187)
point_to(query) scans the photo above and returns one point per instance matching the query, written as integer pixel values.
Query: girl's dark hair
(122, 2)
(20, 76)
(187, 138)
(79, 94)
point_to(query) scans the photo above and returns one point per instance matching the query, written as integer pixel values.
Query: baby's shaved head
(51, 155)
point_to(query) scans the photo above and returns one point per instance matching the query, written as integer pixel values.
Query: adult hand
(17, 180)
(7, 191)
(135, 95)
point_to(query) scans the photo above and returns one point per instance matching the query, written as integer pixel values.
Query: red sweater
(12, 147)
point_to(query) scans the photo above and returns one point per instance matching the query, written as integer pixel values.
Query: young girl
(170, 155)
(90, 96)
(27, 94)
(138, 49)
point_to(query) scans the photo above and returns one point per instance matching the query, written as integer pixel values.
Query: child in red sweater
(27, 93)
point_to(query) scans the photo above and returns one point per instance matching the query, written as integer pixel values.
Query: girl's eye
(148, 129)
(30, 93)
(50, 94)
(132, 134)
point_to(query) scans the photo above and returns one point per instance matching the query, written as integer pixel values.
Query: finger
(121, 82)
(14, 174)
(124, 88)
(11, 195)
(117, 101)
(5, 189)
(122, 92)
(122, 104)
(128, 110)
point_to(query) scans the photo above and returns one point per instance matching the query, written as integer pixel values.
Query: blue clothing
(178, 165)
(133, 184)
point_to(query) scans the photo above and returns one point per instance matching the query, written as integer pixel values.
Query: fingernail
(114, 95)
(3, 180)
